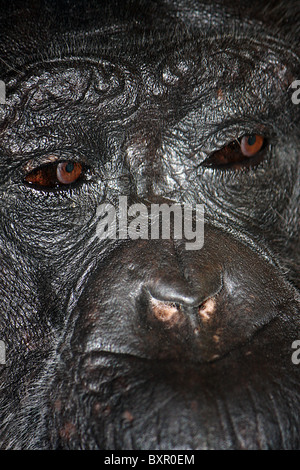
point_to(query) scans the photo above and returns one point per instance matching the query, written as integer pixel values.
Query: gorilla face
(141, 343)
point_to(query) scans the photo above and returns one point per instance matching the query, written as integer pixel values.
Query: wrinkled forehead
(38, 31)
(182, 75)
(127, 52)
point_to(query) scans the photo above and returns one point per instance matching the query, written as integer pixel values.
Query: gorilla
(138, 342)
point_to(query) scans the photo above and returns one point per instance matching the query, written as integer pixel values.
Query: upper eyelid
(215, 147)
(52, 158)
(35, 164)
(218, 134)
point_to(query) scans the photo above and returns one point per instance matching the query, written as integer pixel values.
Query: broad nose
(155, 299)
(173, 300)
(186, 278)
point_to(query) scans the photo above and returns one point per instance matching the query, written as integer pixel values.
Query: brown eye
(68, 172)
(251, 144)
(55, 174)
(246, 152)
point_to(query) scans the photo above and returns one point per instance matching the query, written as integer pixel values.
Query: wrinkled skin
(142, 344)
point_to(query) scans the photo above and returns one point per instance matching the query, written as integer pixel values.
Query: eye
(55, 174)
(251, 144)
(245, 152)
(68, 172)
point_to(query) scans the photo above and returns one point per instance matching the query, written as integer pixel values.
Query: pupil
(251, 140)
(70, 167)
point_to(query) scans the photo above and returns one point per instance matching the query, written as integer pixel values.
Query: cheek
(48, 224)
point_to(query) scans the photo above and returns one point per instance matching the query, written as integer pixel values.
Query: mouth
(134, 402)
(96, 357)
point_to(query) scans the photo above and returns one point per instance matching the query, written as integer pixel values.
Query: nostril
(167, 312)
(173, 314)
(207, 309)
(174, 302)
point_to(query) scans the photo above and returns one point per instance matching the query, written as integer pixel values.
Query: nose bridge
(142, 155)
